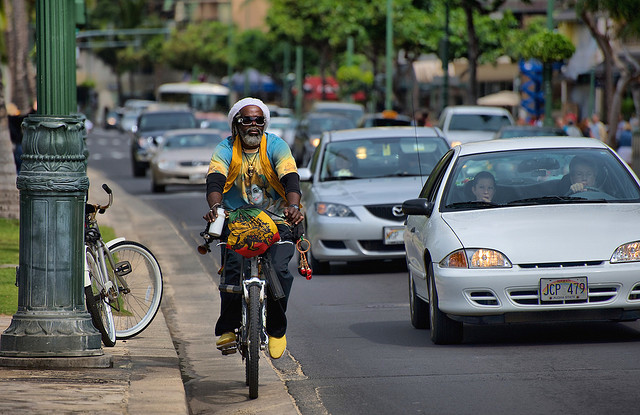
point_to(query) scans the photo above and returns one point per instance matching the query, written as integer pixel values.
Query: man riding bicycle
(254, 167)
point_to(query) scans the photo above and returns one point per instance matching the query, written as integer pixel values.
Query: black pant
(231, 307)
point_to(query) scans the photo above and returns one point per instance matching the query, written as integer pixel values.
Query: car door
(417, 225)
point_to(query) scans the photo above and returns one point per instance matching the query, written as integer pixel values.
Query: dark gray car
(148, 131)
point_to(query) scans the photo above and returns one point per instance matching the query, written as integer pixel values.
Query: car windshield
(530, 132)
(381, 157)
(192, 140)
(166, 121)
(319, 125)
(538, 176)
(478, 122)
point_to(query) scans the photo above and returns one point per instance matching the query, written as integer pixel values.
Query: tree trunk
(9, 195)
(603, 41)
(473, 56)
(18, 39)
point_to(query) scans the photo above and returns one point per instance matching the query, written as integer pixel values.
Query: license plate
(575, 288)
(393, 235)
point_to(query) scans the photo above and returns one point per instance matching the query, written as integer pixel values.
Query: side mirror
(417, 207)
(305, 174)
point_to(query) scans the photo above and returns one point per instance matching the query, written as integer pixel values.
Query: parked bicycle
(123, 281)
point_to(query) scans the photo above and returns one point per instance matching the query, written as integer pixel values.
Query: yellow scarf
(236, 165)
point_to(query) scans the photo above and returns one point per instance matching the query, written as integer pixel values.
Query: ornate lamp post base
(52, 320)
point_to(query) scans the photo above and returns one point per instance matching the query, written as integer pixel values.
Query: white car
(558, 241)
(467, 123)
(353, 190)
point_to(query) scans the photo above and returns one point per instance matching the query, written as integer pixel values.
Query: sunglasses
(250, 120)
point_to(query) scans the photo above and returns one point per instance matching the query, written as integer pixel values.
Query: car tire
(318, 267)
(443, 329)
(139, 170)
(418, 308)
(157, 188)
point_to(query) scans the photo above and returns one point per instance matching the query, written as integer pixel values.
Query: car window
(192, 140)
(478, 122)
(316, 126)
(381, 157)
(539, 176)
(166, 121)
(429, 190)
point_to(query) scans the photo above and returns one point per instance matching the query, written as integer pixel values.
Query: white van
(466, 123)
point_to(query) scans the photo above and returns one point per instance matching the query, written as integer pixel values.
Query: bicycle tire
(137, 308)
(98, 308)
(253, 340)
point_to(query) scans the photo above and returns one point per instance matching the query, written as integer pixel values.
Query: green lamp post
(51, 321)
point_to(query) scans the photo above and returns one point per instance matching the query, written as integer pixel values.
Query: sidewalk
(146, 376)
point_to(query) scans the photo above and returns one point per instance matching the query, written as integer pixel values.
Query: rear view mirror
(305, 174)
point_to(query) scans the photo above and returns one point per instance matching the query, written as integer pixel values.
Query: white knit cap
(245, 102)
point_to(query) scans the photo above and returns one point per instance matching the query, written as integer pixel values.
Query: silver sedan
(354, 187)
(524, 230)
(183, 157)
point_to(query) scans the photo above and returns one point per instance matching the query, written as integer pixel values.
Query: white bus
(201, 97)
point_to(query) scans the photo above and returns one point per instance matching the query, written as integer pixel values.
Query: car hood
(384, 190)
(151, 133)
(200, 154)
(559, 233)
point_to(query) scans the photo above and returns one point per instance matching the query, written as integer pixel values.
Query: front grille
(634, 295)
(378, 245)
(386, 212)
(483, 298)
(561, 264)
(531, 296)
(333, 244)
(194, 163)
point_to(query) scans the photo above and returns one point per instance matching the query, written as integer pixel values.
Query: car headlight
(145, 142)
(627, 253)
(475, 258)
(333, 210)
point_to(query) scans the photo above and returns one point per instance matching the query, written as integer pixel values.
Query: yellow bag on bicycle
(251, 231)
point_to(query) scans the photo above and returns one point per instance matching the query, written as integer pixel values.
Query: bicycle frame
(103, 256)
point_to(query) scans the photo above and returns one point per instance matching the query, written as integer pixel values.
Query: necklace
(251, 162)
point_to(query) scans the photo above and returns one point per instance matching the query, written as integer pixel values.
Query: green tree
(623, 24)
(119, 14)
(204, 44)
(307, 23)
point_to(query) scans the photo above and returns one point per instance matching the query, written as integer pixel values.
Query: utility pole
(547, 73)
(445, 58)
(52, 327)
(299, 82)
(389, 76)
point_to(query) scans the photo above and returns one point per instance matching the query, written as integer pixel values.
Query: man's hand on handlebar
(211, 215)
(293, 215)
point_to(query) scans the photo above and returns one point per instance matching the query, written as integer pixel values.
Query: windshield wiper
(332, 179)
(472, 204)
(401, 174)
(545, 200)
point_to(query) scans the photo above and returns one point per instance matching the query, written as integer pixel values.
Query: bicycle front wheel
(253, 340)
(97, 302)
(140, 288)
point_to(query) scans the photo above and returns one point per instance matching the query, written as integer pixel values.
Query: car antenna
(415, 134)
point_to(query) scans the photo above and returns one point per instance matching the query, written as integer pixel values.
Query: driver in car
(583, 175)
